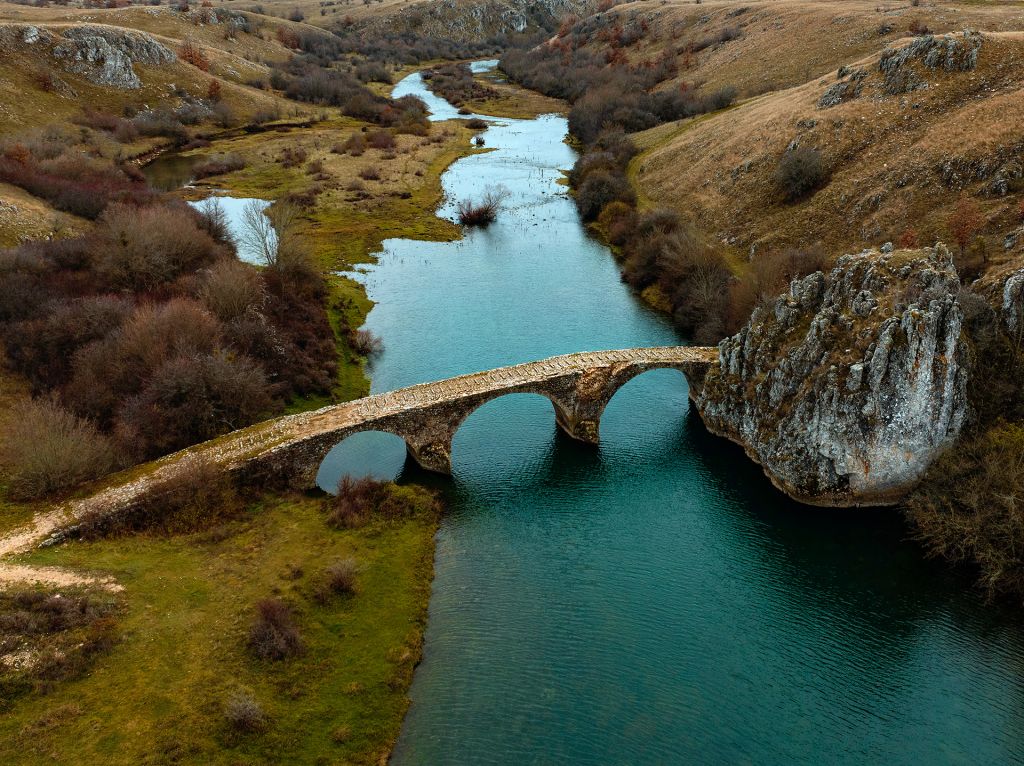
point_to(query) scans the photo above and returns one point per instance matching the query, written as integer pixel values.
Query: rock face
(848, 386)
(904, 70)
(104, 55)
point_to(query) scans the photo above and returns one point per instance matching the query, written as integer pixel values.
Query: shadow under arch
(381, 455)
(512, 423)
(652, 384)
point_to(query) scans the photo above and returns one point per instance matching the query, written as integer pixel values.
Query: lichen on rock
(950, 53)
(848, 386)
(104, 55)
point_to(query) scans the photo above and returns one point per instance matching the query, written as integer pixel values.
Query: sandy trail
(26, 538)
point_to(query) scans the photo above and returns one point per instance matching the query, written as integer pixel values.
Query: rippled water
(654, 600)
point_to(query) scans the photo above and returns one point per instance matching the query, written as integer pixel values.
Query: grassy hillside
(897, 157)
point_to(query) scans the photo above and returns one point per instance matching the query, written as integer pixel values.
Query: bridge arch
(522, 403)
(379, 454)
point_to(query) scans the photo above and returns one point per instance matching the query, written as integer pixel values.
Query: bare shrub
(213, 219)
(231, 288)
(919, 28)
(339, 579)
(191, 398)
(110, 372)
(196, 495)
(968, 508)
(800, 172)
(601, 188)
(218, 164)
(292, 157)
(274, 634)
(381, 139)
(143, 248)
(191, 53)
(365, 343)
(273, 235)
(48, 449)
(485, 211)
(355, 145)
(370, 174)
(243, 713)
(360, 500)
(476, 124)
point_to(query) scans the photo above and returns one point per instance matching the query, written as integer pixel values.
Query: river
(653, 600)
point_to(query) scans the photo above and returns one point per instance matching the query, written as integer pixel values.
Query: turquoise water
(653, 600)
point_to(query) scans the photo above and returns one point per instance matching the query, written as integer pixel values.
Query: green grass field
(158, 696)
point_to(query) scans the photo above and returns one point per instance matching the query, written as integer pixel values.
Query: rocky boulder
(105, 55)
(847, 387)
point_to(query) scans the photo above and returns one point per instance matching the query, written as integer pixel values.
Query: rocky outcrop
(950, 53)
(105, 55)
(847, 387)
(904, 70)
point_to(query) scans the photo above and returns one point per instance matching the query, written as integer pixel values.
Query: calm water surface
(654, 600)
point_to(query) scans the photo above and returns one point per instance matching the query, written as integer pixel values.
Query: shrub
(230, 289)
(42, 349)
(73, 184)
(381, 139)
(919, 28)
(908, 239)
(191, 398)
(191, 53)
(213, 219)
(968, 508)
(48, 449)
(224, 115)
(108, 372)
(476, 124)
(339, 580)
(292, 157)
(601, 188)
(243, 713)
(370, 174)
(618, 221)
(359, 500)
(800, 172)
(485, 211)
(143, 248)
(194, 496)
(964, 222)
(365, 343)
(274, 634)
(218, 164)
(354, 145)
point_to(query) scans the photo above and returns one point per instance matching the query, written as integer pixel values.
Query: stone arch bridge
(289, 450)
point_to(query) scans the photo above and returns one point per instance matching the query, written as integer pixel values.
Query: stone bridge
(289, 450)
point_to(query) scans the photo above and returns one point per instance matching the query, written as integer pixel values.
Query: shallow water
(653, 600)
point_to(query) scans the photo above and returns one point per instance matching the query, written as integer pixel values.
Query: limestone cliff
(848, 386)
(105, 55)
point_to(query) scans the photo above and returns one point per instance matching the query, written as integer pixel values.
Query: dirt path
(24, 539)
